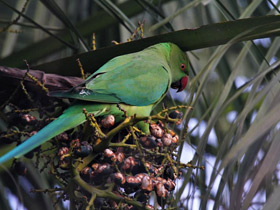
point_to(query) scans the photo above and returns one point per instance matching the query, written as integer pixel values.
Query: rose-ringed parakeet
(136, 81)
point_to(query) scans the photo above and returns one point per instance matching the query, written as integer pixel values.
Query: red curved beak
(180, 84)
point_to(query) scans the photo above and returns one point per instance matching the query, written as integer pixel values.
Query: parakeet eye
(183, 66)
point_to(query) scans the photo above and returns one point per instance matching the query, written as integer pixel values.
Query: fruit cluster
(134, 166)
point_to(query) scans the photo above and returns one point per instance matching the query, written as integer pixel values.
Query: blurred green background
(234, 129)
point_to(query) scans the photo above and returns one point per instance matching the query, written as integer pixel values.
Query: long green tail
(71, 118)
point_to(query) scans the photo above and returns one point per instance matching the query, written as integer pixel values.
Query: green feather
(116, 81)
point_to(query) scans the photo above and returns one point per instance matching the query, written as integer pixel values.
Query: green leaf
(187, 39)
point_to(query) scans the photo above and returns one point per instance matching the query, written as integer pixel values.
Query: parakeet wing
(141, 82)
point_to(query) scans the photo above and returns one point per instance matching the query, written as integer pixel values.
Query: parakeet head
(179, 66)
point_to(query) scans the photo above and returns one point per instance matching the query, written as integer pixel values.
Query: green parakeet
(136, 81)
